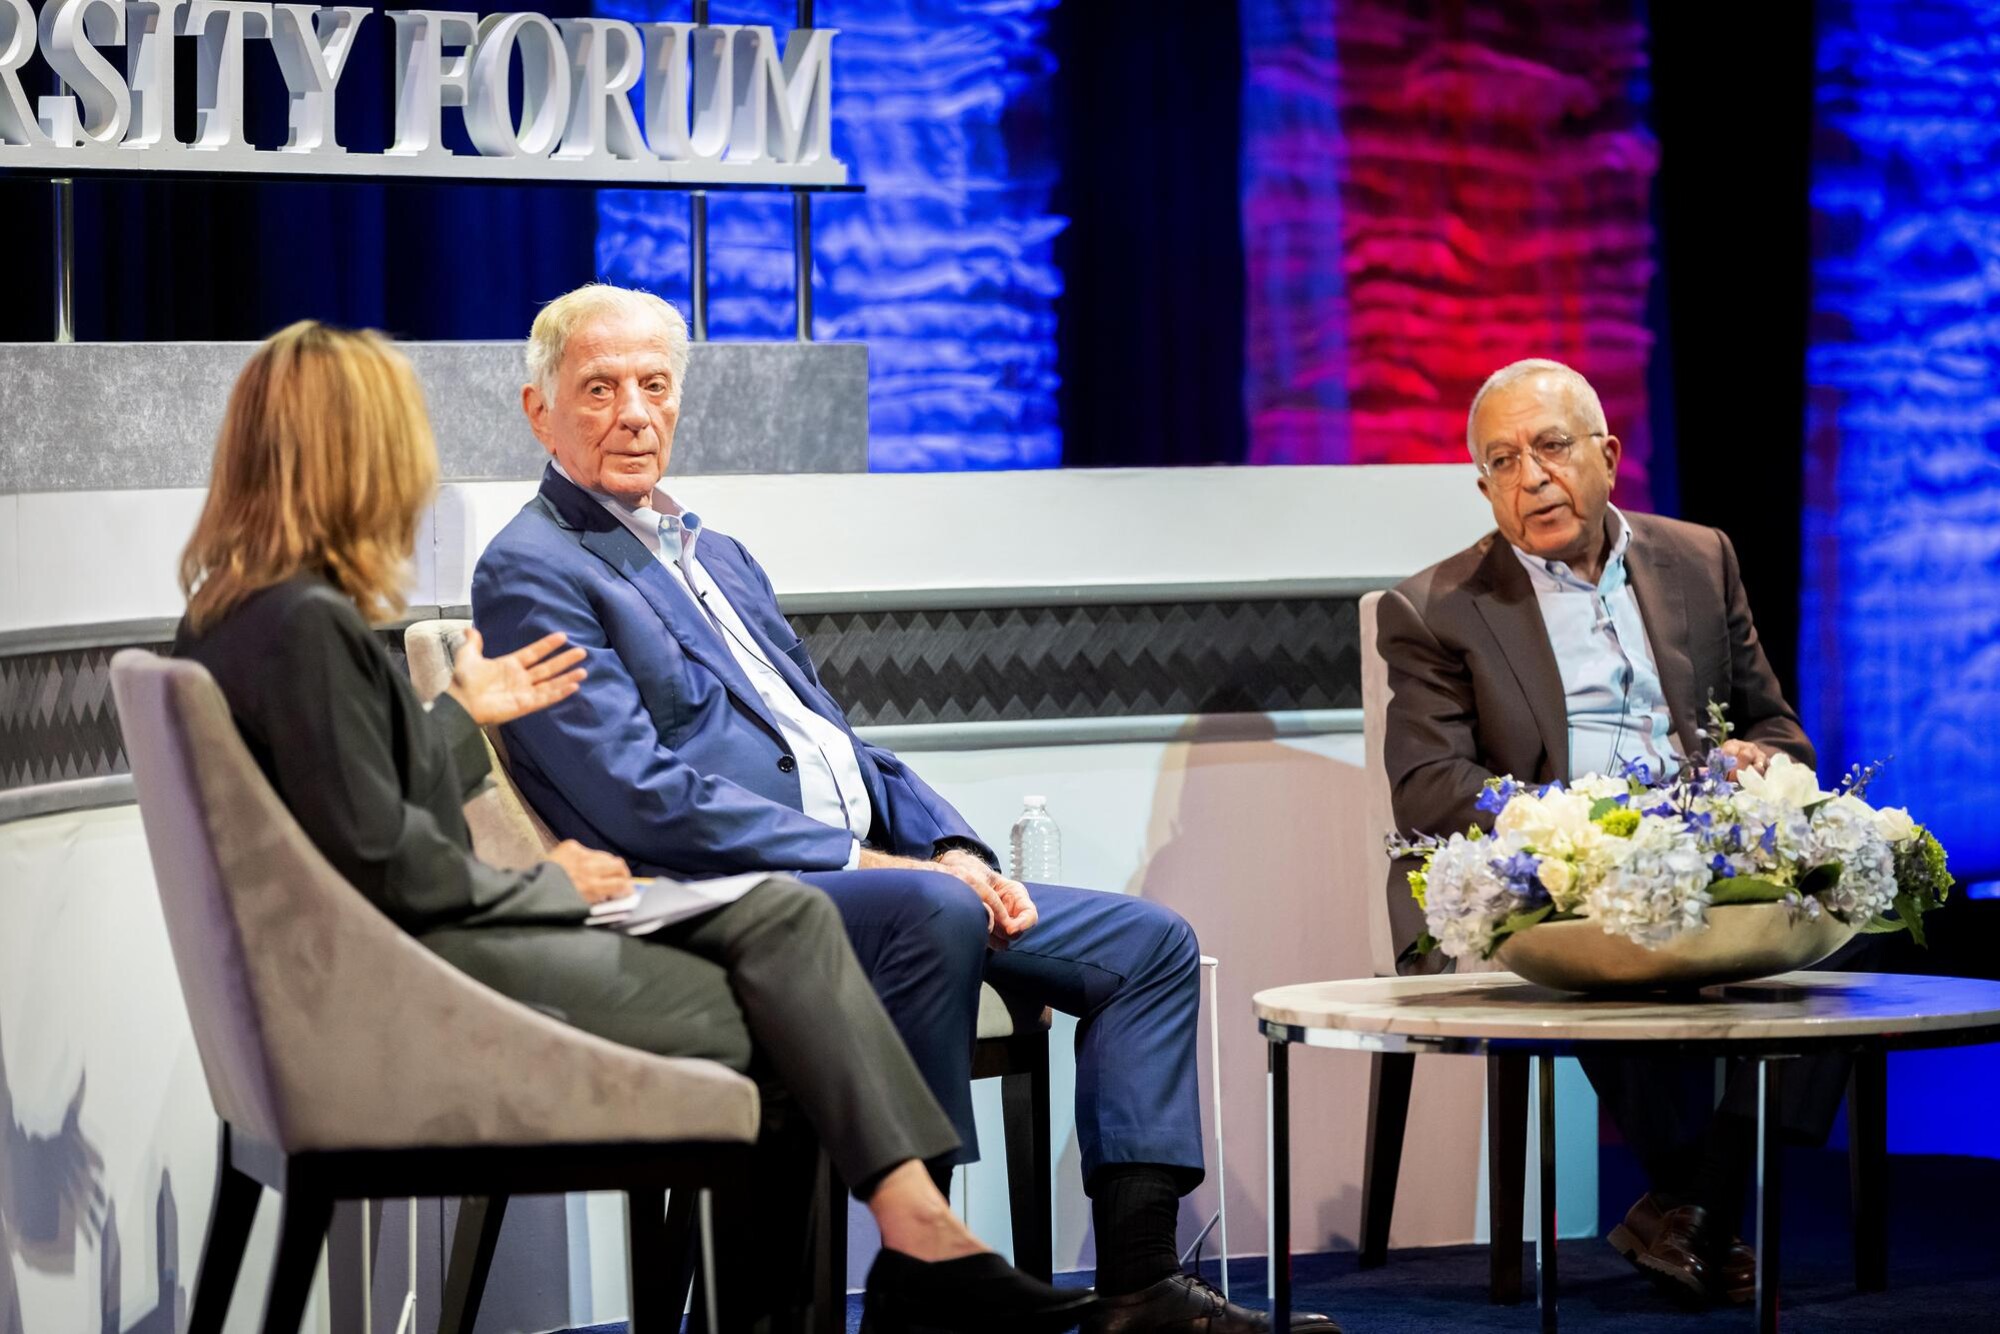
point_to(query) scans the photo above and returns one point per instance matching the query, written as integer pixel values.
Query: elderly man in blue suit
(703, 743)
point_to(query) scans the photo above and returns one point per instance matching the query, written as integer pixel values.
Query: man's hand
(598, 876)
(1008, 906)
(1009, 910)
(1748, 755)
(499, 690)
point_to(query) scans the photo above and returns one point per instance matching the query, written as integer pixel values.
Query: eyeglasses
(1554, 453)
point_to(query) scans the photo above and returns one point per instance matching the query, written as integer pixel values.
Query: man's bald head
(1584, 404)
(1547, 461)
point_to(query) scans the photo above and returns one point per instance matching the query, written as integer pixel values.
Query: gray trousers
(767, 986)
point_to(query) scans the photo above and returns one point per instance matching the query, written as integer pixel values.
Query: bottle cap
(1034, 802)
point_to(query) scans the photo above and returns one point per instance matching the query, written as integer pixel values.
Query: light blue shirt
(1611, 682)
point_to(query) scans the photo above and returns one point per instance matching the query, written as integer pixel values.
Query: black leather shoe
(980, 1294)
(1183, 1304)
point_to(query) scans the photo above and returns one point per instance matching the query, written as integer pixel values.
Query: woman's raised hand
(499, 690)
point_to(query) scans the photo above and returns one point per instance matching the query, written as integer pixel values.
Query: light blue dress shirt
(1611, 682)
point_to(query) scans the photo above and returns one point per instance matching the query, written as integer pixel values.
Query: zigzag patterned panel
(57, 720)
(1017, 664)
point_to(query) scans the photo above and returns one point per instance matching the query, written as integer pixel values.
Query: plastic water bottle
(1037, 844)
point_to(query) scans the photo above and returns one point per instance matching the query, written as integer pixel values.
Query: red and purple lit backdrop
(1429, 193)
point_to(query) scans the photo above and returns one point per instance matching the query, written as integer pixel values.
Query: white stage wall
(1257, 840)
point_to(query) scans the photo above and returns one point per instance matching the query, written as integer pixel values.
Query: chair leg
(648, 1262)
(830, 1252)
(1507, 1170)
(229, 1219)
(472, 1244)
(682, 1255)
(1389, 1077)
(1868, 1168)
(1024, 1097)
(306, 1210)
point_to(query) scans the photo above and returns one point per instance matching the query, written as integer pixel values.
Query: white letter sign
(69, 29)
(723, 104)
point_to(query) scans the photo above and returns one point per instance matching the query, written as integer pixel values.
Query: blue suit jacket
(667, 755)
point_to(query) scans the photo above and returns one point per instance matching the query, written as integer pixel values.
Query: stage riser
(144, 416)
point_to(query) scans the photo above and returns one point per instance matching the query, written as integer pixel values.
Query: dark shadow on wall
(52, 1200)
(170, 1304)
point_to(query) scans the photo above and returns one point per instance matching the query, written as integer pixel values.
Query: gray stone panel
(143, 416)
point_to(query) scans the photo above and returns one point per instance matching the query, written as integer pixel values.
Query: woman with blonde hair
(322, 472)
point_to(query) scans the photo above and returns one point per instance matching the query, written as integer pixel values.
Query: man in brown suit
(1573, 640)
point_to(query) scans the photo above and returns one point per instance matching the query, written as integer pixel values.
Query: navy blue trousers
(1129, 970)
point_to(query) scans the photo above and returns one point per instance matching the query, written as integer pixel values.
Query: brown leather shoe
(1736, 1272)
(1666, 1245)
(1183, 1304)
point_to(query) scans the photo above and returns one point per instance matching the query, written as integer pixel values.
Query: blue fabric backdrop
(945, 266)
(1900, 640)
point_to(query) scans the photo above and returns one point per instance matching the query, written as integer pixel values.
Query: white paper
(662, 902)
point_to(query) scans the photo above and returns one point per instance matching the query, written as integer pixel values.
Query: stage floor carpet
(1944, 1274)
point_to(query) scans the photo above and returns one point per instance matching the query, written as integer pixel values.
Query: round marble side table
(1795, 1014)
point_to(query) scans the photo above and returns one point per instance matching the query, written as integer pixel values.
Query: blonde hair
(325, 463)
(1582, 397)
(558, 321)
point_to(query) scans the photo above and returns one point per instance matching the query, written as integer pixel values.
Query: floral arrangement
(1647, 856)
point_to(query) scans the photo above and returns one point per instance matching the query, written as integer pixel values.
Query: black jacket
(377, 780)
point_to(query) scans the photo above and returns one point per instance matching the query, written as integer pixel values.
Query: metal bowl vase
(1741, 941)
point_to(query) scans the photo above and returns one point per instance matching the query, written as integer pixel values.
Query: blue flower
(1723, 870)
(1521, 874)
(1496, 795)
(1769, 842)
(1638, 771)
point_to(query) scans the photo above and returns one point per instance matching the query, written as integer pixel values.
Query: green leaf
(1910, 909)
(1602, 807)
(1746, 889)
(1882, 926)
(1820, 879)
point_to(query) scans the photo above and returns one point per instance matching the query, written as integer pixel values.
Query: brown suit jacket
(1476, 691)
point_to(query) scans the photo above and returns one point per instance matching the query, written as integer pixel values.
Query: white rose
(1599, 786)
(1524, 811)
(1546, 824)
(1895, 824)
(1557, 876)
(1784, 782)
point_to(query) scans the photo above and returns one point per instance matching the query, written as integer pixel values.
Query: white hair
(558, 322)
(1581, 396)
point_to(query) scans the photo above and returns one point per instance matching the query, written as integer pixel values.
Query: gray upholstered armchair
(1013, 1045)
(302, 997)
